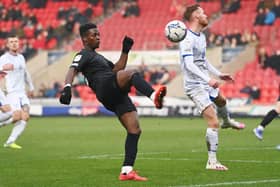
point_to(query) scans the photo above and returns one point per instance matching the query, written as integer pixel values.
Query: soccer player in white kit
(7, 115)
(200, 87)
(15, 86)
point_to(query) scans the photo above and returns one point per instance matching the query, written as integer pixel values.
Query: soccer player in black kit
(111, 84)
(259, 130)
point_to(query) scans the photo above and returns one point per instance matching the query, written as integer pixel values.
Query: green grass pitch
(88, 152)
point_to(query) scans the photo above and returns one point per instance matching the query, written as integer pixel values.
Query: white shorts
(3, 99)
(17, 100)
(202, 95)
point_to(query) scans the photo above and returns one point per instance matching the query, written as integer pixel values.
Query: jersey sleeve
(186, 46)
(186, 52)
(79, 61)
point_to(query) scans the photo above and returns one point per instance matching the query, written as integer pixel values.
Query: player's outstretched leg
(159, 95)
(259, 130)
(231, 123)
(227, 121)
(12, 145)
(145, 88)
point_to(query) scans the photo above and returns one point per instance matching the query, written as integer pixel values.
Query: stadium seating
(265, 79)
(147, 29)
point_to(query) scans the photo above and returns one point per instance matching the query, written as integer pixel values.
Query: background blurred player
(258, 131)
(111, 83)
(7, 115)
(199, 87)
(15, 84)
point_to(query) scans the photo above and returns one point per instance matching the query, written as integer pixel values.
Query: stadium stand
(53, 24)
(266, 79)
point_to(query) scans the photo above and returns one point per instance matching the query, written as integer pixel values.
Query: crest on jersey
(77, 58)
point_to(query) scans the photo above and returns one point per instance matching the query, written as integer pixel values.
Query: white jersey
(193, 60)
(16, 79)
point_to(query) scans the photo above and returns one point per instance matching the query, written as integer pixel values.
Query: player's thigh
(210, 115)
(14, 100)
(124, 78)
(3, 99)
(131, 122)
(200, 97)
(18, 102)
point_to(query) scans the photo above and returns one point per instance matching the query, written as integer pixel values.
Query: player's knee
(136, 130)
(134, 73)
(221, 102)
(16, 115)
(214, 123)
(24, 116)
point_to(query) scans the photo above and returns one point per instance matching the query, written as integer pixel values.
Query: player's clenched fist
(127, 44)
(66, 95)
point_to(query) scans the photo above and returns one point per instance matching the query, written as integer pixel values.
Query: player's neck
(14, 53)
(195, 27)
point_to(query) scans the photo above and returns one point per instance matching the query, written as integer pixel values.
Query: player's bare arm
(121, 63)
(72, 72)
(126, 46)
(66, 95)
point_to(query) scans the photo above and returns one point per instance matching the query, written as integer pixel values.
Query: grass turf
(88, 152)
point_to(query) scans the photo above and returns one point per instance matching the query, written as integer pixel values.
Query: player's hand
(65, 96)
(127, 44)
(30, 94)
(214, 83)
(8, 67)
(226, 77)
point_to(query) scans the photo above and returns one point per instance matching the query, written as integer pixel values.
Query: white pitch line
(116, 157)
(118, 154)
(237, 149)
(156, 153)
(231, 183)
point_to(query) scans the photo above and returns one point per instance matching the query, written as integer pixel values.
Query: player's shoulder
(189, 35)
(21, 56)
(4, 55)
(188, 40)
(82, 55)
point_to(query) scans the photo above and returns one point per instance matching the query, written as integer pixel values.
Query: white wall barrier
(145, 107)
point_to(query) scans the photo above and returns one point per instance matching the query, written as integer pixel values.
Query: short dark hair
(189, 10)
(12, 35)
(85, 27)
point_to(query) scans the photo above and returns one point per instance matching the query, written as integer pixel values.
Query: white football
(175, 31)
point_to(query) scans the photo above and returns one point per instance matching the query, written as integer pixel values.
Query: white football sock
(126, 169)
(212, 143)
(223, 113)
(16, 132)
(152, 96)
(5, 115)
(3, 123)
(260, 128)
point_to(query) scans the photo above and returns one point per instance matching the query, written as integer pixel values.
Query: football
(175, 31)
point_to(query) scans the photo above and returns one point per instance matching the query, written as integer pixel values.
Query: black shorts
(113, 98)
